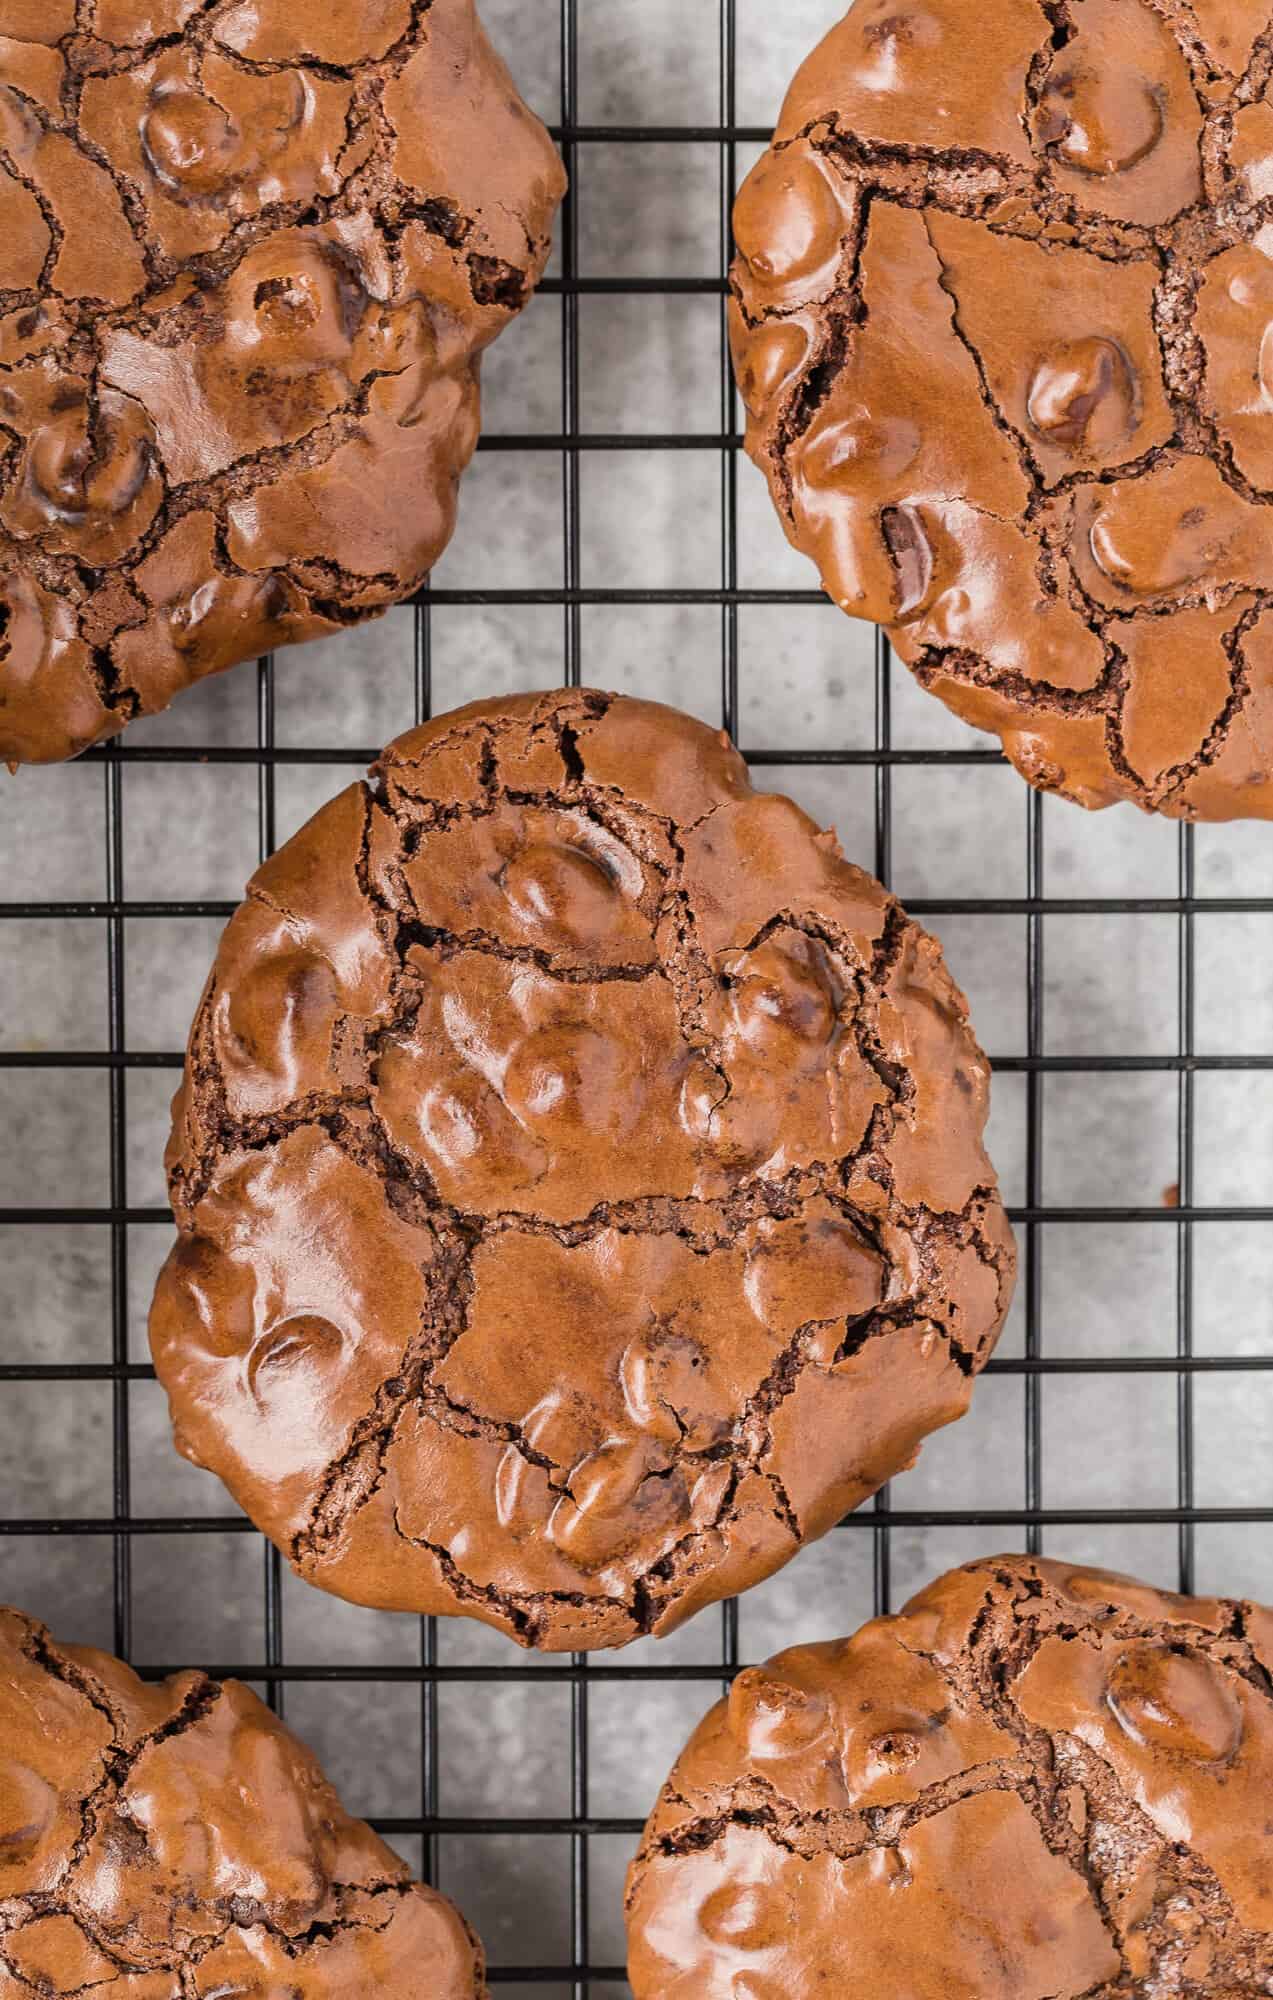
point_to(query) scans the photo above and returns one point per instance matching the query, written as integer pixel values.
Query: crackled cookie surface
(580, 1181)
(250, 253)
(1003, 321)
(1036, 1783)
(173, 1842)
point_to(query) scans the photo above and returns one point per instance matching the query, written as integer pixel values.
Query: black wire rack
(881, 1521)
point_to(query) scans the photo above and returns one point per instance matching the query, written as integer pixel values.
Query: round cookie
(174, 1842)
(1036, 1783)
(1003, 322)
(580, 1181)
(250, 254)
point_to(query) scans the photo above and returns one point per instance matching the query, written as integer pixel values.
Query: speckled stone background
(650, 518)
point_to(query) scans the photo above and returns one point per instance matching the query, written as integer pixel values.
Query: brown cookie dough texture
(580, 1181)
(1003, 322)
(1036, 1783)
(173, 1842)
(250, 254)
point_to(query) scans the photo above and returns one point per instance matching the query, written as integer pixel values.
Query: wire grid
(882, 1520)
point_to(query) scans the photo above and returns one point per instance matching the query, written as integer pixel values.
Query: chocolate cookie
(250, 253)
(173, 1842)
(1003, 321)
(1037, 1783)
(580, 1181)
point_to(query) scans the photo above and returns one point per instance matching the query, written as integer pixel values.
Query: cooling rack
(1115, 1373)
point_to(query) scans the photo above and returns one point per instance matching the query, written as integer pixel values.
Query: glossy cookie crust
(580, 1181)
(1003, 322)
(250, 254)
(1036, 1783)
(173, 1842)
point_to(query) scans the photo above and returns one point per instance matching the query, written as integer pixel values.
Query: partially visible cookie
(174, 1842)
(250, 254)
(1003, 322)
(580, 1180)
(1036, 1783)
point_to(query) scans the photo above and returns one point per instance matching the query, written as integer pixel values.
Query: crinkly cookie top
(580, 1180)
(1036, 1783)
(1003, 320)
(250, 252)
